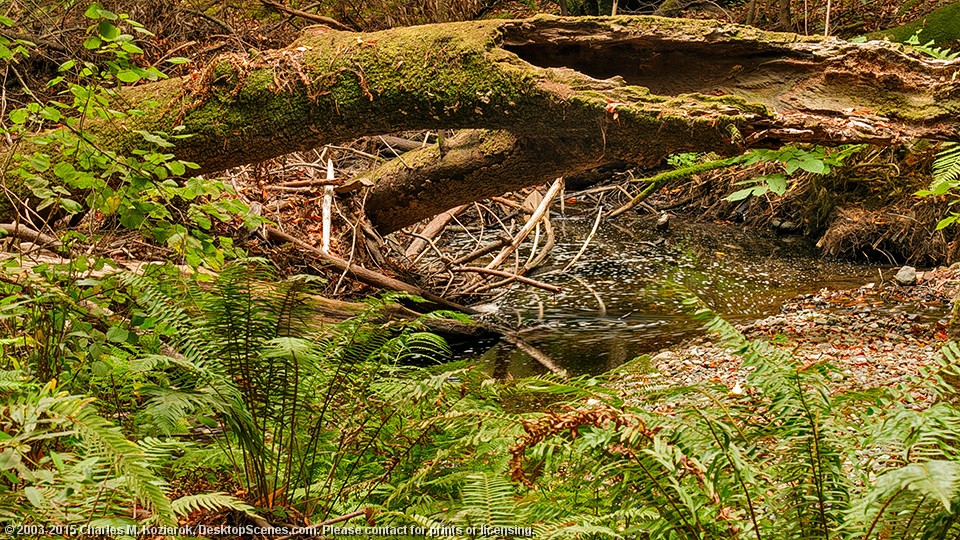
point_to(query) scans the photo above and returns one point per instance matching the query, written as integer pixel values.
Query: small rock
(906, 276)
(789, 226)
(665, 356)
(664, 222)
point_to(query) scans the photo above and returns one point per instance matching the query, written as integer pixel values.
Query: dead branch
(531, 223)
(365, 275)
(510, 276)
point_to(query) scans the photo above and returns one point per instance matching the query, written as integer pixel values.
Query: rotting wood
(434, 228)
(399, 145)
(22, 232)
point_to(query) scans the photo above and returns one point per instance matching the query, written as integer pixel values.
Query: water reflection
(612, 307)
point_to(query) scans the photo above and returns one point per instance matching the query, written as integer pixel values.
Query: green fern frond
(946, 165)
(213, 502)
(107, 441)
(169, 408)
(904, 502)
(487, 501)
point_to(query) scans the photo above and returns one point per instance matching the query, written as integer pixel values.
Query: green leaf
(19, 116)
(35, 497)
(202, 221)
(39, 162)
(106, 14)
(128, 76)
(50, 114)
(108, 31)
(744, 193)
(117, 335)
(947, 221)
(176, 167)
(177, 60)
(92, 42)
(93, 11)
(813, 165)
(777, 183)
(154, 138)
(64, 170)
(9, 459)
(71, 206)
(131, 48)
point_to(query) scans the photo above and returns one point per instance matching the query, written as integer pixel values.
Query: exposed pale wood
(22, 232)
(435, 227)
(529, 225)
(327, 209)
(547, 247)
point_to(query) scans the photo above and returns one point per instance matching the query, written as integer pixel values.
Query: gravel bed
(880, 335)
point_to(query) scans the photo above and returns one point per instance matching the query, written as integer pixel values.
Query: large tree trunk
(572, 93)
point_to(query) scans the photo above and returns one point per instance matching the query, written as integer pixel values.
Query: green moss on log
(942, 26)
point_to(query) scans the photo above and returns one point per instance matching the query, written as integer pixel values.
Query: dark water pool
(613, 309)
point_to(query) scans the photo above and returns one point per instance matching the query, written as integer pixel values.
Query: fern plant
(317, 418)
(946, 164)
(64, 464)
(785, 458)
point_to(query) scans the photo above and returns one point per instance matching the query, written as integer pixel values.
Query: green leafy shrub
(63, 464)
(792, 158)
(144, 188)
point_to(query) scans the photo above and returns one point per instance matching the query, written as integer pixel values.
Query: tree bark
(566, 95)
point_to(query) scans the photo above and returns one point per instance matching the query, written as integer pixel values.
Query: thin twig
(583, 248)
(514, 277)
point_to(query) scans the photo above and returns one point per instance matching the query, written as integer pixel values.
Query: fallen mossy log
(569, 91)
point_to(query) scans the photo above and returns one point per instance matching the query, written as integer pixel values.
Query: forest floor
(879, 335)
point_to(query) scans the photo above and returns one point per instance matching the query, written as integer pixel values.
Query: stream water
(612, 308)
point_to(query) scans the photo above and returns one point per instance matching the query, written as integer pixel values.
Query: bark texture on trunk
(569, 93)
